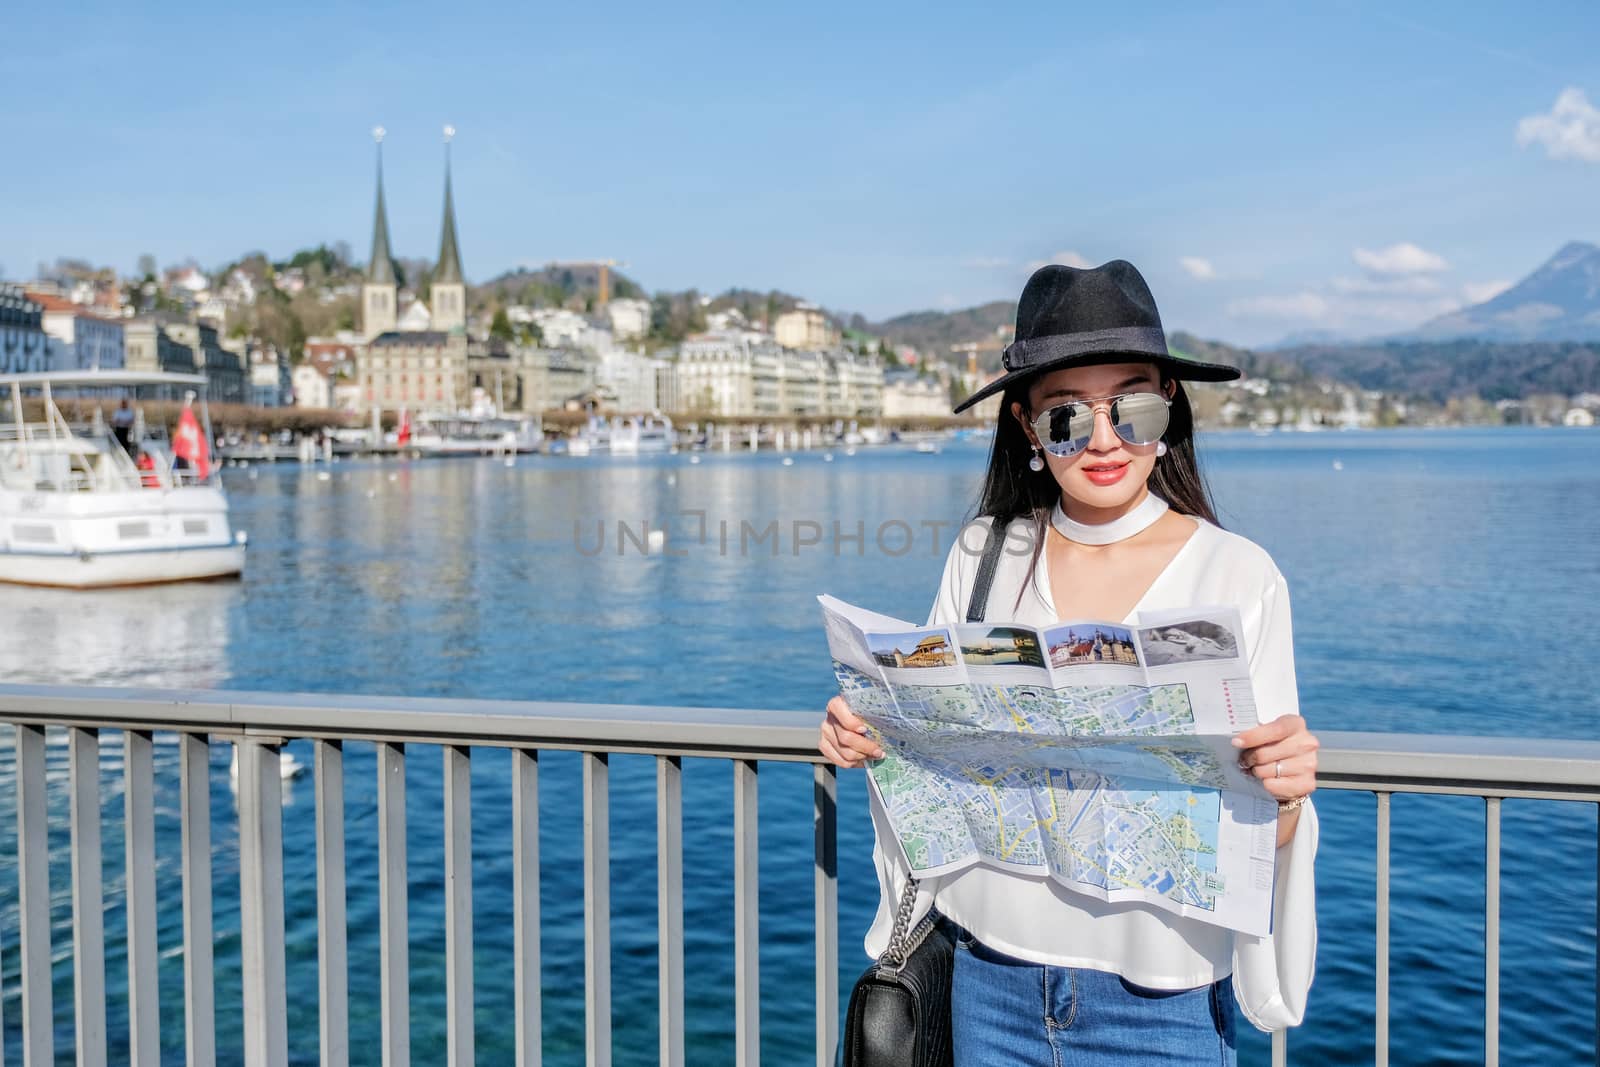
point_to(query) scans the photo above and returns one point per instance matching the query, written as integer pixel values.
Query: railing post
(525, 905)
(825, 881)
(597, 907)
(394, 961)
(746, 915)
(88, 918)
(199, 997)
(139, 837)
(459, 1020)
(333, 973)
(1491, 934)
(33, 885)
(1381, 1034)
(261, 931)
(669, 906)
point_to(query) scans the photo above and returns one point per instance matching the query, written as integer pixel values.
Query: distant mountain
(1255, 364)
(1311, 337)
(1558, 302)
(1439, 370)
(933, 332)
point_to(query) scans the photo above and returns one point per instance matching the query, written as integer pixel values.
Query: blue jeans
(1006, 1011)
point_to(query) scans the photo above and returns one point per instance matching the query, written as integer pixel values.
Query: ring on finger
(1277, 769)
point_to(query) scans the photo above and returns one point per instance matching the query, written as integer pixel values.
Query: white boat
(475, 435)
(75, 509)
(621, 435)
(633, 434)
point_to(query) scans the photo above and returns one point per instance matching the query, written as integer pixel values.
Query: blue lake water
(1443, 582)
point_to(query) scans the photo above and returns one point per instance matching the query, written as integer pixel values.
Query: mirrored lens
(1137, 418)
(1140, 418)
(1066, 429)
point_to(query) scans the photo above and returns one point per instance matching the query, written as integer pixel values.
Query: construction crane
(605, 266)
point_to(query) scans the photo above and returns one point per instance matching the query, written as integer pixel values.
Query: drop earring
(1036, 464)
(1161, 449)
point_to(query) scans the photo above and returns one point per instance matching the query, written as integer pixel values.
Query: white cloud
(1402, 258)
(1414, 285)
(1478, 292)
(1199, 269)
(1366, 310)
(1065, 259)
(1398, 313)
(1304, 306)
(1570, 131)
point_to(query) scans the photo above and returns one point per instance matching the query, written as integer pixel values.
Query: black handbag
(899, 1014)
(899, 1011)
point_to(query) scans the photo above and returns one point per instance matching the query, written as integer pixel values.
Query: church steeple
(449, 269)
(380, 292)
(449, 294)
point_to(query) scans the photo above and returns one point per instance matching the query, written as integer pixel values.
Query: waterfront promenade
(1382, 766)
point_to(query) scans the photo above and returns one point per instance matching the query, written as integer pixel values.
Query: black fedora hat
(1070, 317)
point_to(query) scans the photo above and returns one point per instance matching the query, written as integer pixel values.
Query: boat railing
(54, 457)
(259, 724)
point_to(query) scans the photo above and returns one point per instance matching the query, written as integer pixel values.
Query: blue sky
(1339, 168)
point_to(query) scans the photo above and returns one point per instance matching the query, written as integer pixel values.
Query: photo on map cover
(916, 648)
(999, 646)
(1092, 643)
(1187, 642)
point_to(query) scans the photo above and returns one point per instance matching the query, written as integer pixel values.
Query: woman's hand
(1283, 754)
(844, 737)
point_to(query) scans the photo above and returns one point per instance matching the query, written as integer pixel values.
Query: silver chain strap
(894, 957)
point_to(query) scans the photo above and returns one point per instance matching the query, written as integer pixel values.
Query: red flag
(190, 443)
(404, 433)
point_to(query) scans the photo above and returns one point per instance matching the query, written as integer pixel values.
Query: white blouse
(1036, 918)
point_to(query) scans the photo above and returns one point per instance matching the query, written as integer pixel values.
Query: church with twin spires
(416, 358)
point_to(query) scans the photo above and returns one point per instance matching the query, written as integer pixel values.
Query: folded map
(1097, 754)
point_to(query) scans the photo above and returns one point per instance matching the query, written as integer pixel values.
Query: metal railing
(259, 724)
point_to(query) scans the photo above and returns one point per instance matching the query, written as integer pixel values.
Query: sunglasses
(1138, 418)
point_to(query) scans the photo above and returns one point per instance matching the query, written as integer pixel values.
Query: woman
(1093, 480)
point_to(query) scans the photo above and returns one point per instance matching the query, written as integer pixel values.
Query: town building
(149, 347)
(855, 386)
(744, 372)
(313, 388)
(806, 327)
(630, 319)
(225, 374)
(422, 369)
(723, 372)
(632, 380)
(908, 394)
(333, 355)
(83, 339)
(24, 346)
(568, 377)
(562, 328)
(270, 383)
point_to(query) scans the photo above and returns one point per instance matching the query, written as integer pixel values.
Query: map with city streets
(1111, 773)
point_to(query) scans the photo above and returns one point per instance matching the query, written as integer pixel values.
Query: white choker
(1134, 522)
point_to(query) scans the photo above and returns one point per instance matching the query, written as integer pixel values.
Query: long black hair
(1012, 491)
